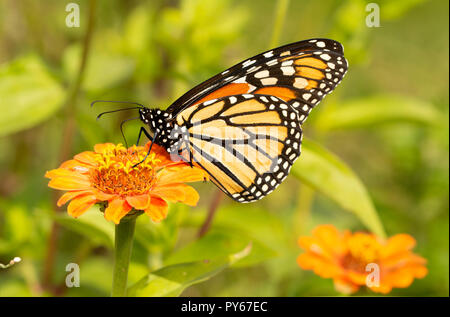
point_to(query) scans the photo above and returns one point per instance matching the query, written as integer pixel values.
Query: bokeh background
(386, 126)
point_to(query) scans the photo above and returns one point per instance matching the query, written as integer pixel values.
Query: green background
(375, 158)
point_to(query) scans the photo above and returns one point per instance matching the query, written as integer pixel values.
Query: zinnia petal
(71, 195)
(183, 174)
(157, 210)
(101, 196)
(311, 244)
(66, 183)
(75, 166)
(318, 264)
(80, 204)
(104, 147)
(344, 286)
(398, 243)
(62, 172)
(330, 239)
(86, 157)
(116, 210)
(139, 202)
(178, 193)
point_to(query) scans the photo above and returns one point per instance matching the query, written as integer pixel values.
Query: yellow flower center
(363, 249)
(116, 174)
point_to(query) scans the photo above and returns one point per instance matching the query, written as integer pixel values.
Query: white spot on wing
(300, 83)
(262, 74)
(206, 103)
(320, 44)
(288, 71)
(325, 57)
(249, 62)
(269, 81)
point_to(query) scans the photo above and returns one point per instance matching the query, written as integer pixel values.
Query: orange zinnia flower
(353, 260)
(107, 176)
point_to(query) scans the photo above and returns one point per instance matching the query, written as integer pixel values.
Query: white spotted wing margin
(247, 143)
(295, 66)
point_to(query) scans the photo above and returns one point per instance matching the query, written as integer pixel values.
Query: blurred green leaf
(137, 42)
(17, 228)
(392, 10)
(103, 70)
(91, 224)
(258, 223)
(327, 174)
(219, 243)
(14, 288)
(173, 279)
(379, 109)
(95, 278)
(29, 94)
(160, 237)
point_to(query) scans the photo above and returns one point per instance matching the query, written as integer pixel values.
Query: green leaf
(96, 278)
(172, 280)
(327, 174)
(379, 109)
(17, 227)
(91, 225)
(160, 237)
(257, 222)
(219, 243)
(29, 94)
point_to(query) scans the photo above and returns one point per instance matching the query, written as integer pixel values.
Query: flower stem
(211, 212)
(122, 254)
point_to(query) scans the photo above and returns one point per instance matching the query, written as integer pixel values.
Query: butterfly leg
(151, 144)
(190, 155)
(142, 130)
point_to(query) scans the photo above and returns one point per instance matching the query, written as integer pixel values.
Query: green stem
(122, 254)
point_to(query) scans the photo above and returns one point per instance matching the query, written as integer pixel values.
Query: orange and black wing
(247, 143)
(300, 73)
(243, 126)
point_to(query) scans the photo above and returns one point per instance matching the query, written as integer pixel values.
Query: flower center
(363, 249)
(116, 175)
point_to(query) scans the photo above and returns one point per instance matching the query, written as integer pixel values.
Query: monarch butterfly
(243, 126)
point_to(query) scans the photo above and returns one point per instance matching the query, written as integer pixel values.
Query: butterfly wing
(247, 143)
(243, 126)
(300, 73)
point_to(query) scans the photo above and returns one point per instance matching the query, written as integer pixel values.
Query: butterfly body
(243, 126)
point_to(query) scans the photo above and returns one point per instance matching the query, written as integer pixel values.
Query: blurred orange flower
(353, 260)
(107, 175)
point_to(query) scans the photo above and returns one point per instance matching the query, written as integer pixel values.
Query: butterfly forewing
(300, 73)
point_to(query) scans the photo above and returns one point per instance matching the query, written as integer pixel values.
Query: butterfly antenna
(111, 111)
(114, 101)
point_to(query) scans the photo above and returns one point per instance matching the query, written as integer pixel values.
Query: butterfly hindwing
(247, 143)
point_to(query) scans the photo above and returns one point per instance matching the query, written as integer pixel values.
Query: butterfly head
(159, 122)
